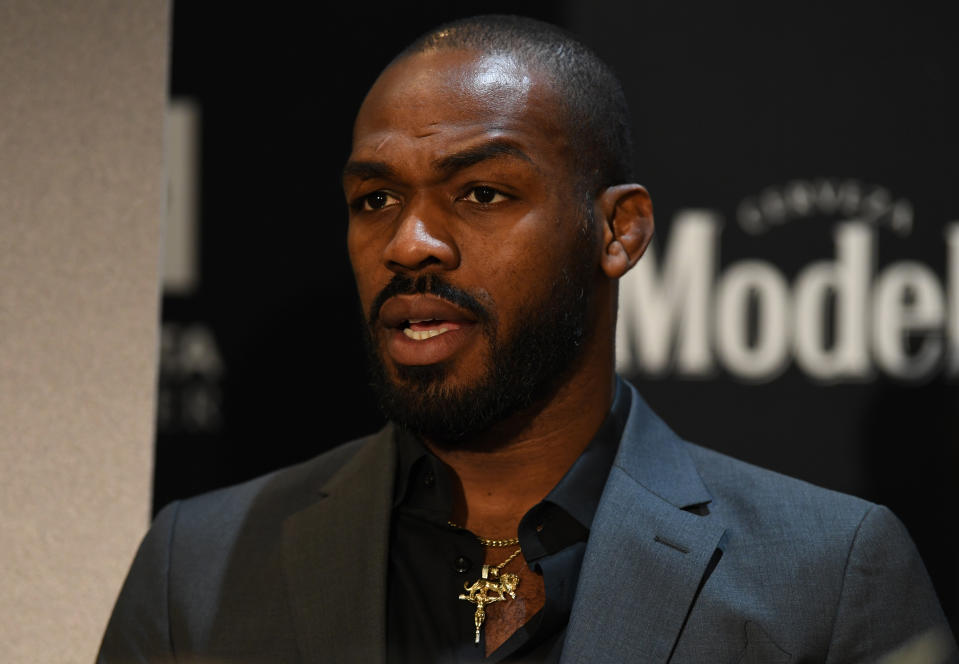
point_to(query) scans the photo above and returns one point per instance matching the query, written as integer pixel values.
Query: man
(524, 504)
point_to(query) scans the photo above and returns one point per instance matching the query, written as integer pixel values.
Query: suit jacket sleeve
(139, 629)
(887, 607)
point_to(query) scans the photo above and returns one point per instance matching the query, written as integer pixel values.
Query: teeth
(418, 320)
(420, 335)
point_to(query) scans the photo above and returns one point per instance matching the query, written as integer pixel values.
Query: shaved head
(591, 99)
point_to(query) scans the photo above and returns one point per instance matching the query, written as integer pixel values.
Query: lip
(460, 327)
(401, 308)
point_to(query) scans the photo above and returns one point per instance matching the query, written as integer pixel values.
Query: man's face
(470, 240)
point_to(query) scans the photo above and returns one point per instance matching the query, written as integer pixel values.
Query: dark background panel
(730, 101)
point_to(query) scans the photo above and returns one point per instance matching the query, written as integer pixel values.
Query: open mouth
(422, 317)
(420, 329)
(423, 329)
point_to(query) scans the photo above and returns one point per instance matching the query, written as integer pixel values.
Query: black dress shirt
(429, 560)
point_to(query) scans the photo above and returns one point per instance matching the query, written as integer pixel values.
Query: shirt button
(462, 564)
(429, 480)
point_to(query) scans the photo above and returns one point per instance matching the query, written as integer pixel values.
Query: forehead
(437, 99)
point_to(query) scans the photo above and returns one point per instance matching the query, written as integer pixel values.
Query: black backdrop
(766, 124)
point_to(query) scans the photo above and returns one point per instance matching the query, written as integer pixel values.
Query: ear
(627, 212)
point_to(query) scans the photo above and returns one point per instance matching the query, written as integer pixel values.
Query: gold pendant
(479, 593)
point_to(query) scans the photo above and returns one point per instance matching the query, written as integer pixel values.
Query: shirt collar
(423, 483)
(422, 480)
(580, 489)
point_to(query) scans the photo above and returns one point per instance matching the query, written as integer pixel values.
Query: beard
(521, 370)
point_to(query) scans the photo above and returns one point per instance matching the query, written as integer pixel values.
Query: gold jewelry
(492, 543)
(478, 592)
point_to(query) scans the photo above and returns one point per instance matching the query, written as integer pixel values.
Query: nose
(421, 239)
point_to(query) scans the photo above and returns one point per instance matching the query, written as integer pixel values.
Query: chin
(484, 384)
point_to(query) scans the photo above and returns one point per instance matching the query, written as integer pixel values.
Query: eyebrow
(471, 156)
(367, 170)
(449, 164)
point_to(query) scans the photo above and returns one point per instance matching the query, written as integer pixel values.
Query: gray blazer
(692, 557)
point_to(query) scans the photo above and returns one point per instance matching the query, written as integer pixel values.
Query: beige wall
(82, 98)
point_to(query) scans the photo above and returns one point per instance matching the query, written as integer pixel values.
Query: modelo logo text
(841, 319)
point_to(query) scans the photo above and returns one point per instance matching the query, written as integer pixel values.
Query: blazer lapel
(335, 559)
(648, 553)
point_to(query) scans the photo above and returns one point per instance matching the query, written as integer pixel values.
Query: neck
(511, 467)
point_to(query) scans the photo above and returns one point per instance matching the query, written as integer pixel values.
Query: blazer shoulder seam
(845, 575)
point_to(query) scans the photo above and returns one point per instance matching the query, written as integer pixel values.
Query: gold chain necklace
(492, 543)
(486, 590)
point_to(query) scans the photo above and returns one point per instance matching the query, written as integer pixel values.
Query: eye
(485, 195)
(377, 201)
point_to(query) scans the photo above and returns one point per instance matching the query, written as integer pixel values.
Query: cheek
(518, 281)
(355, 243)
(532, 257)
(363, 254)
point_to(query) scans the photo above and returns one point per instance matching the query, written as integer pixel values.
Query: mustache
(428, 284)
